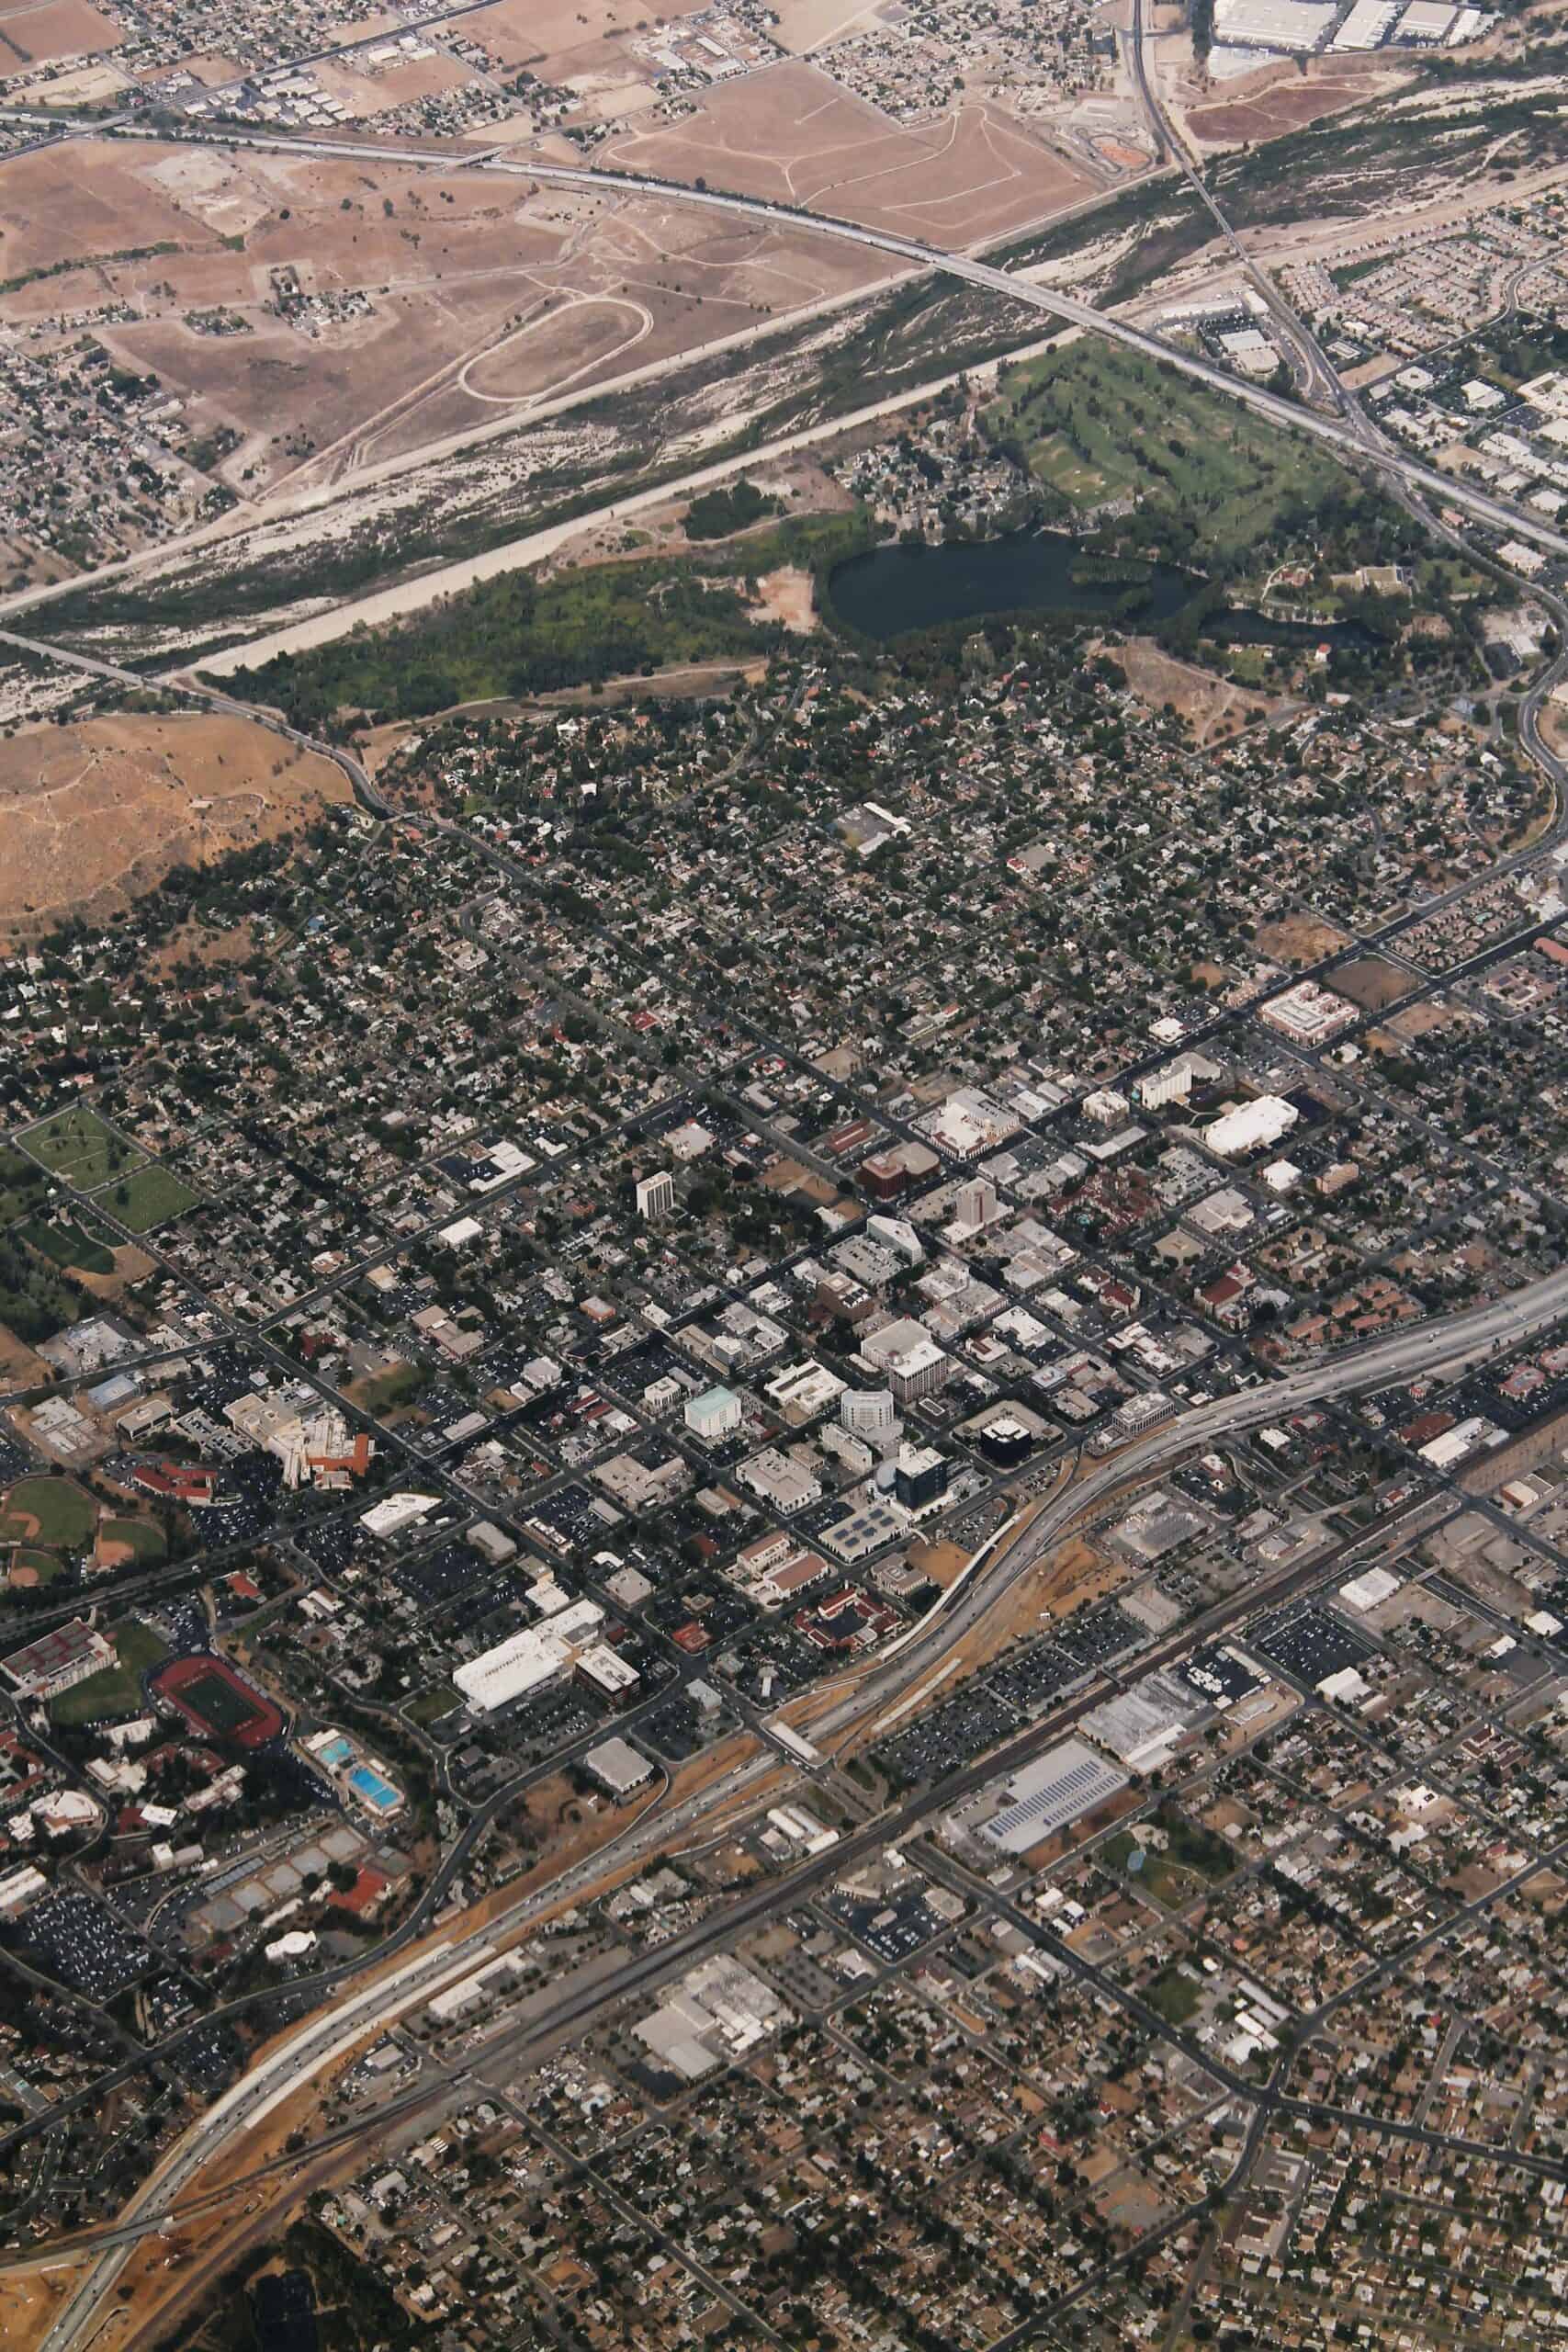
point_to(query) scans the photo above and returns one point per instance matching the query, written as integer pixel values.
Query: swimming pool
(336, 1751)
(375, 1791)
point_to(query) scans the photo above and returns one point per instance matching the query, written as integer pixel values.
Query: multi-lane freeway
(1446, 1345)
(1065, 308)
(318, 2043)
(1343, 432)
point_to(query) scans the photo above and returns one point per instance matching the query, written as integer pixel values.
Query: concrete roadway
(1425, 1348)
(1457, 1340)
(1321, 381)
(1343, 436)
(253, 714)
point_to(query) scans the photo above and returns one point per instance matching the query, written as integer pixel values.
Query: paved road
(1456, 1341)
(1342, 436)
(1428, 1347)
(213, 698)
(1321, 380)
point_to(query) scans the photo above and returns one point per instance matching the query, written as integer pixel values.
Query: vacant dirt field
(483, 289)
(1266, 105)
(1372, 982)
(806, 24)
(1418, 1021)
(548, 351)
(1301, 939)
(565, 41)
(1210, 705)
(789, 595)
(792, 133)
(71, 204)
(35, 34)
(93, 814)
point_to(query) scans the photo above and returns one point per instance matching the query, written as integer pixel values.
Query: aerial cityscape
(783, 1176)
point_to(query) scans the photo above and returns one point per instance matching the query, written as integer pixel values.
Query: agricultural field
(94, 813)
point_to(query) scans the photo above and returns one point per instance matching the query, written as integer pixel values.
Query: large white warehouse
(1252, 1126)
(528, 1660)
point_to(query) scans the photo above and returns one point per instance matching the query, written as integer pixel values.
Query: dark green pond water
(892, 591)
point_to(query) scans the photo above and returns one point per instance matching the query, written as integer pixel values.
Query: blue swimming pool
(373, 1789)
(337, 1751)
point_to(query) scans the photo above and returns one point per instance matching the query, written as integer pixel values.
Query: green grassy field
(76, 1146)
(393, 1386)
(20, 1184)
(118, 1689)
(36, 1298)
(148, 1197)
(1174, 1994)
(51, 1512)
(1187, 1858)
(140, 1534)
(1094, 424)
(68, 1244)
(44, 1565)
(431, 1704)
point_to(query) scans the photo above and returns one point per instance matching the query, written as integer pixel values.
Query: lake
(893, 590)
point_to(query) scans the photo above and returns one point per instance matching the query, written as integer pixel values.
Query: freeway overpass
(1343, 436)
(1444, 1345)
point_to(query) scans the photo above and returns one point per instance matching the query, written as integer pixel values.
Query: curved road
(213, 698)
(1067, 308)
(1447, 1345)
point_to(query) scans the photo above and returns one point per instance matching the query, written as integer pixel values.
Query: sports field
(53, 1513)
(213, 1699)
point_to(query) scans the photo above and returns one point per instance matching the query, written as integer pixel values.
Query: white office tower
(656, 1194)
(871, 1414)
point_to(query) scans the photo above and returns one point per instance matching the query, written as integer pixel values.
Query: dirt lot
(93, 814)
(566, 41)
(1301, 939)
(1372, 983)
(1212, 706)
(31, 34)
(792, 133)
(482, 290)
(789, 595)
(1267, 105)
(1417, 1021)
(806, 24)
